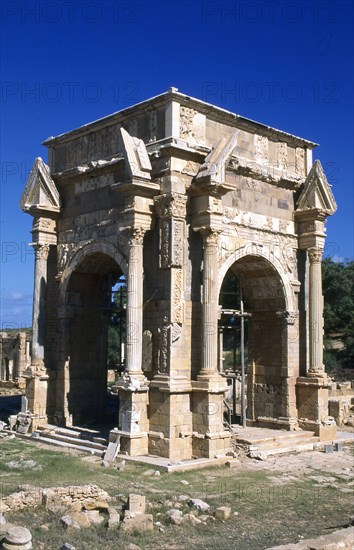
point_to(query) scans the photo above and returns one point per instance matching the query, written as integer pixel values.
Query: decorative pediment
(317, 193)
(137, 160)
(40, 195)
(213, 167)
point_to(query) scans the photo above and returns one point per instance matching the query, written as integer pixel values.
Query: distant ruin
(179, 201)
(15, 354)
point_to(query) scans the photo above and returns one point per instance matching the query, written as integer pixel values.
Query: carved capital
(289, 317)
(134, 235)
(210, 236)
(315, 255)
(171, 205)
(41, 251)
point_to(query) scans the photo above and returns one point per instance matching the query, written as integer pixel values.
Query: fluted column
(210, 303)
(135, 303)
(316, 368)
(38, 312)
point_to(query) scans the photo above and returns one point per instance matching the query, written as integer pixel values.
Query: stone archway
(270, 378)
(87, 300)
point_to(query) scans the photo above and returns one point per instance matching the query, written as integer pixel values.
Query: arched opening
(95, 297)
(263, 296)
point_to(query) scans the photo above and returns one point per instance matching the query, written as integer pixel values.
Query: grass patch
(268, 513)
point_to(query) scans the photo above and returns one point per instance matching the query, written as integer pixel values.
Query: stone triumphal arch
(173, 196)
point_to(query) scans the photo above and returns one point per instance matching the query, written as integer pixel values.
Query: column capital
(210, 235)
(315, 254)
(289, 317)
(134, 235)
(41, 251)
(171, 205)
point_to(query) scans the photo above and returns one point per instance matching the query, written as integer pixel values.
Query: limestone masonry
(174, 197)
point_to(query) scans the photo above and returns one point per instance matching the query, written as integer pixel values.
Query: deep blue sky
(288, 64)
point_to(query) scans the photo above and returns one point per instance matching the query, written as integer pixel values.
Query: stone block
(137, 522)
(136, 503)
(223, 512)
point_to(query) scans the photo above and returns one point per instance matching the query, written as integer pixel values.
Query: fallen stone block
(136, 503)
(199, 504)
(17, 538)
(81, 519)
(94, 517)
(223, 512)
(113, 518)
(175, 516)
(69, 523)
(192, 519)
(137, 522)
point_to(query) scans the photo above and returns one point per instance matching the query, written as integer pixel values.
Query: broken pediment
(213, 167)
(317, 193)
(40, 194)
(137, 160)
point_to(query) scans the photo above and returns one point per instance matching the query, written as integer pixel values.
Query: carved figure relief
(300, 161)
(186, 130)
(261, 149)
(282, 155)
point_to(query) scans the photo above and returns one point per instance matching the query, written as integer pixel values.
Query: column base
(211, 382)
(210, 439)
(326, 432)
(212, 445)
(133, 421)
(312, 398)
(37, 393)
(130, 443)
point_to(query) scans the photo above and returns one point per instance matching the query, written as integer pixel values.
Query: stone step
(283, 439)
(289, 450)
(72, 440)
(78, 446)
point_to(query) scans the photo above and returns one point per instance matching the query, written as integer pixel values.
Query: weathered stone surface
(113, 518)
(175, 516)
(192, 519)
(68, 522)
(136, 503)
(17, 538)
(137, 522)
(94, 517)
(339, 540)
(223, 512)
(199, 504)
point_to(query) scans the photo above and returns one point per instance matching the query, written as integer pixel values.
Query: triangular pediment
(40, 192)
(213, 166)
(317, 192)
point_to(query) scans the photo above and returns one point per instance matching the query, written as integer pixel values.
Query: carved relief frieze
(186, 130)
(261, 149)
(177, 308)
(300, 161)
(164, 337)
(282, 155)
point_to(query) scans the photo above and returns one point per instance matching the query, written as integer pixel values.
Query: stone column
(208, 390)
(38, 312)
(36, 375)
(316, 368)
(210, 303)
(135, 304)
(133, 386)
